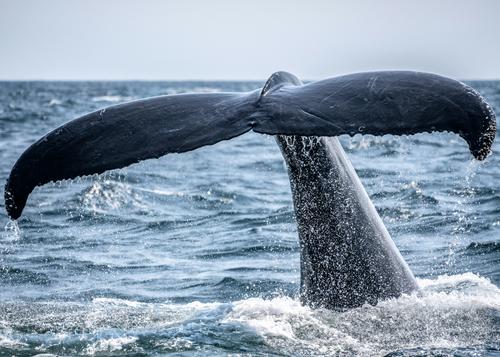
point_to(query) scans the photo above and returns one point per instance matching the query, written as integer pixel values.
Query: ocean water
(197, 254)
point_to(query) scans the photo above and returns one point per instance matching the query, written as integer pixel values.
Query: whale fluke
(379, 103)
(124, 134)
(392, 102)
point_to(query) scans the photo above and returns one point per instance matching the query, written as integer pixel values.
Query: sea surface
(196, 254)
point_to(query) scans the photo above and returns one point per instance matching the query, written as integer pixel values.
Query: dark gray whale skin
(347, 255)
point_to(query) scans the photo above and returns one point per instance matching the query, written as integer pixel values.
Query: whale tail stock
(378, 103)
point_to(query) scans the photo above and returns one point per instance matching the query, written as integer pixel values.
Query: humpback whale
(347, 255)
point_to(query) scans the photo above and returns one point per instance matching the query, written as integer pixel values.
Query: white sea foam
(112, 98)
(447, 312)
(107, 195)
(206, 89)
(162, 192)
(117, 302)
(110, 344)
(10, 343)
(11, 231)
(54, 102)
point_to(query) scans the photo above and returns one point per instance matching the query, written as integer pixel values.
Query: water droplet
(12, 231)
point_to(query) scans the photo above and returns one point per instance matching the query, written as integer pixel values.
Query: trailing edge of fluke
(378, 103)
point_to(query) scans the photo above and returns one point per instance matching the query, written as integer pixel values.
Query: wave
(449, 312)
(107, 195)
(206, 89)
(483, 247)
(112, 98)
(54, 102)
(13, 276)
(249, 251)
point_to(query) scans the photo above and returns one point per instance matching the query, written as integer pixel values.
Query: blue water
(197, 253)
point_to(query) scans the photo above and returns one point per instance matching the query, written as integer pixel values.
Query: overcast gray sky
(229, 39)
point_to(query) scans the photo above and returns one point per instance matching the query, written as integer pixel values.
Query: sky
(245, 40)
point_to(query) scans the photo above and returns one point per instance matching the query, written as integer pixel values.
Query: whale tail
(375, 103)
(378, 103)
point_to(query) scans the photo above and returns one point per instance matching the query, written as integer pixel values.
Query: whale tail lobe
(375, 103)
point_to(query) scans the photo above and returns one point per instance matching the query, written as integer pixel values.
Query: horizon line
(187, 79)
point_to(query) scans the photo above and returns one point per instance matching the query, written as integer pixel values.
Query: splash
(107, 195)
(113, 344)
(12, 232)
(449, 312)
(464, 213)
